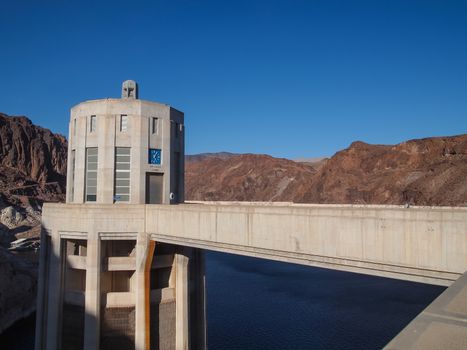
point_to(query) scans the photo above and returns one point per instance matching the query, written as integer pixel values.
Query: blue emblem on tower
(154, 156)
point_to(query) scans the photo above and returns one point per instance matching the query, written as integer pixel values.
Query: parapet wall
(418, 243)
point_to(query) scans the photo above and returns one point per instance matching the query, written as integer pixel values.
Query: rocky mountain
(32, 170)
(431, 171)
(34, 151)
(203, 156)
(245, 177)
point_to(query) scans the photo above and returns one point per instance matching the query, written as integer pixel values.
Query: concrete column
(181, 301)
(144, 254)
(106, 164)
(198, 317)
(41, 284)
(93, 293)
(79, 145)
(55, 293)
(69, 173)
(139, 157)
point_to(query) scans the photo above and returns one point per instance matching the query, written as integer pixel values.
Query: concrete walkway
(442, 325)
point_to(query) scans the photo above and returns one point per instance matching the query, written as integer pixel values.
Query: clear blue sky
(284, 77)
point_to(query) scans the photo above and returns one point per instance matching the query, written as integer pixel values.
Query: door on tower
(154, 188)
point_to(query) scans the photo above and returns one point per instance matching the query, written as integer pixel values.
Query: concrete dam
(122, 261)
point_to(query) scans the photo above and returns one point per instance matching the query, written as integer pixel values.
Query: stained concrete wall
(418, 244)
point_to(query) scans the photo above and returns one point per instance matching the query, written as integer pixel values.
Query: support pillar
(198, 310)
(144, 253)
(55, 293)
(93, 293)
(42, 284)
(181, 301)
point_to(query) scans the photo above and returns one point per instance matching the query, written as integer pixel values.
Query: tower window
(91, 174)
(74, 126)
(154, 127)
(123, 123)
(92, 125)
(122, 174)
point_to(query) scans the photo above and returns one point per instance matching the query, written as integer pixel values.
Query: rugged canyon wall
(431, 171)
(32, 171)
(245, 177)
(35, 152)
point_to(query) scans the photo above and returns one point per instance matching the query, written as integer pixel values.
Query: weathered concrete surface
(442, 325)
(418, 244)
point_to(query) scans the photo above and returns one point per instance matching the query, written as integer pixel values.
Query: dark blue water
(261, 304)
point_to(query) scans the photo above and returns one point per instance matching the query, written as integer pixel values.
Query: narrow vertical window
(74, 126)
(92, 125)
(154, 126)
(122, 174)
(91, 174)
(123, 123)
(177, 127)
(72, 181)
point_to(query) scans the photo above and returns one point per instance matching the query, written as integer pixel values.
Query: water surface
(261, 304)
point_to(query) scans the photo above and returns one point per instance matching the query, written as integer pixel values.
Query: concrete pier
(129, 293)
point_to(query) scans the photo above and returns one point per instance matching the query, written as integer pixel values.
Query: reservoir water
(261, 304)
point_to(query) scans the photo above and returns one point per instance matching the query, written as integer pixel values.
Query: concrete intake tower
(102, 288)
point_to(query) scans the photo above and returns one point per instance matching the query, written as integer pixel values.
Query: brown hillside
(32, 170)
(34, 151)
(431, 171)
(246, 177)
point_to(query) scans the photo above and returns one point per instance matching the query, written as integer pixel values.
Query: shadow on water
(19, 336)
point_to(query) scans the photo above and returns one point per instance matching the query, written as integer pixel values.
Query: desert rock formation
(32, 171)
(431, 171)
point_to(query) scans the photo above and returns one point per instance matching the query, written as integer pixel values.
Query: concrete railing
(421, 244)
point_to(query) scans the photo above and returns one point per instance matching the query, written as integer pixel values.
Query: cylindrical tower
(125, 150)
(104, 287)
